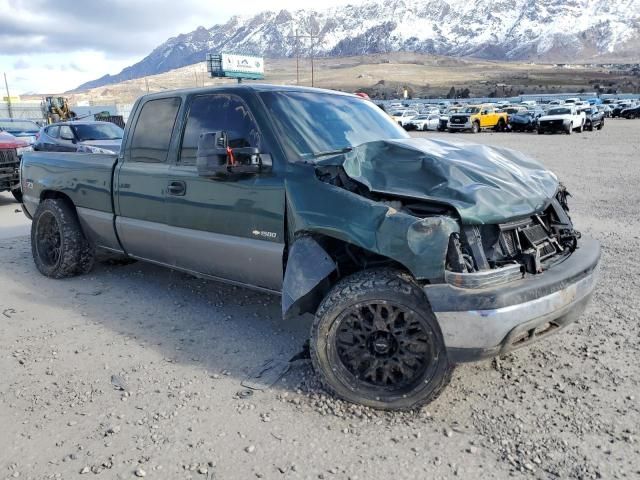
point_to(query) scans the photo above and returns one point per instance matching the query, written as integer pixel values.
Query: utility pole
(312, 52)
(297, 59)
(297, 38)
(6, 85)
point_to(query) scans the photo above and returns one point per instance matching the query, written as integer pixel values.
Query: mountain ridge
(554, 30)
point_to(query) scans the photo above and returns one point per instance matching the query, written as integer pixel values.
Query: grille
(535, 234)
(509, 245)
(547, 250)
(8, 156)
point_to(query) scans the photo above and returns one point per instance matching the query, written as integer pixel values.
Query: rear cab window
(153, 131)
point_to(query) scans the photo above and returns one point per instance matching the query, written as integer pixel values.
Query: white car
(424, 122)
(404, 117)
(565, 118)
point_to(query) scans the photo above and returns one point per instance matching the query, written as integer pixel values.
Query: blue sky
(50, 46)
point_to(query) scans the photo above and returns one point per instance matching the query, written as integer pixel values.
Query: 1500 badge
(262, 233)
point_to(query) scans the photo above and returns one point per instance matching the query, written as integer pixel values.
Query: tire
(17, 194)
(500, 127)
(475, 127)
(58, 246)
(601, 125)
(356, 304)
(569, 131)
(588, 126)
(580, 129)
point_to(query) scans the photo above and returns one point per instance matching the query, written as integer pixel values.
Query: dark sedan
(632, 112)
(594, 119)
(87, 137)
(23, 129)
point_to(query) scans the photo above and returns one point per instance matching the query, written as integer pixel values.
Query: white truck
(565, 118)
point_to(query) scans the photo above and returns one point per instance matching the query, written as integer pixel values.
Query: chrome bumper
(481, 323)
(459, 126)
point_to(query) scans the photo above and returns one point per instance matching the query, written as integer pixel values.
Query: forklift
(56, 109)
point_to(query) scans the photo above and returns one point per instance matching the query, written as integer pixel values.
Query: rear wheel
(500, 127)
(58, 246)
(375, 341)
(601, 125)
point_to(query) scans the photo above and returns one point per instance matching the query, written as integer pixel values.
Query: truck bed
(86, 178)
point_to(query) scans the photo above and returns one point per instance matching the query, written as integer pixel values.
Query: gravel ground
(134, 370)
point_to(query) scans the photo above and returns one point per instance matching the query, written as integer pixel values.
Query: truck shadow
(7, 199)
(224, 329)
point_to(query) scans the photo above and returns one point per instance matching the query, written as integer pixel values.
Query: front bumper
(459, 126)
(483, 323)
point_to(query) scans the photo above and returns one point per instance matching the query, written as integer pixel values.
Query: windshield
(19, 126)
(470, 110)
(316, 123)
(421, 117)
(559, 111)
(98, 131)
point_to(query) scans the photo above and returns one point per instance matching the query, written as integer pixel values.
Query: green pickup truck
(412, 254)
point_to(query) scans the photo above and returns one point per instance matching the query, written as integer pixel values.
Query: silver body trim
(237, 260)
(99, 228)
(488, 328)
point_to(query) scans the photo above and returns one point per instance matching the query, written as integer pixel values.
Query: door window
(66, 133)
(152, 134)
(53, 132)
(213, 113)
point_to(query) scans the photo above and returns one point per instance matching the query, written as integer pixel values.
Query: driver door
(229, 228)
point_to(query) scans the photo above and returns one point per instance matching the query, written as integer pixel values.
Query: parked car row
(572, 115)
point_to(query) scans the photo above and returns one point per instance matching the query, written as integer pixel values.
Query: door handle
(177, 187)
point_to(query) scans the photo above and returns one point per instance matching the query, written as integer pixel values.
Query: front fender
(419, 244)
(306, 277)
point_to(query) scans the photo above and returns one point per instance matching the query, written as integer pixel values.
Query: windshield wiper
(331, 152)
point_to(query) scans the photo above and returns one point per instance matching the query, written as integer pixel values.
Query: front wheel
(58, 246)
(376, 342)
(475, 127)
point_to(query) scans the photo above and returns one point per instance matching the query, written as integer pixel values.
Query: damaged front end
(488, 255)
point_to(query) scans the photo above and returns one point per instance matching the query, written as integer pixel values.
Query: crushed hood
(486, 185)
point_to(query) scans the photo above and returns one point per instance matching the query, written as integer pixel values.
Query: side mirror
(215, 158)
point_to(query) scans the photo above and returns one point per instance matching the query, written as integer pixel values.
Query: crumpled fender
(308, 266)
(419, 244)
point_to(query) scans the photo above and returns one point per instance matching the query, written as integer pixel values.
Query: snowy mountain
(558, 30)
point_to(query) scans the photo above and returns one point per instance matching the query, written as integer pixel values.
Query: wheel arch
(315, 263)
